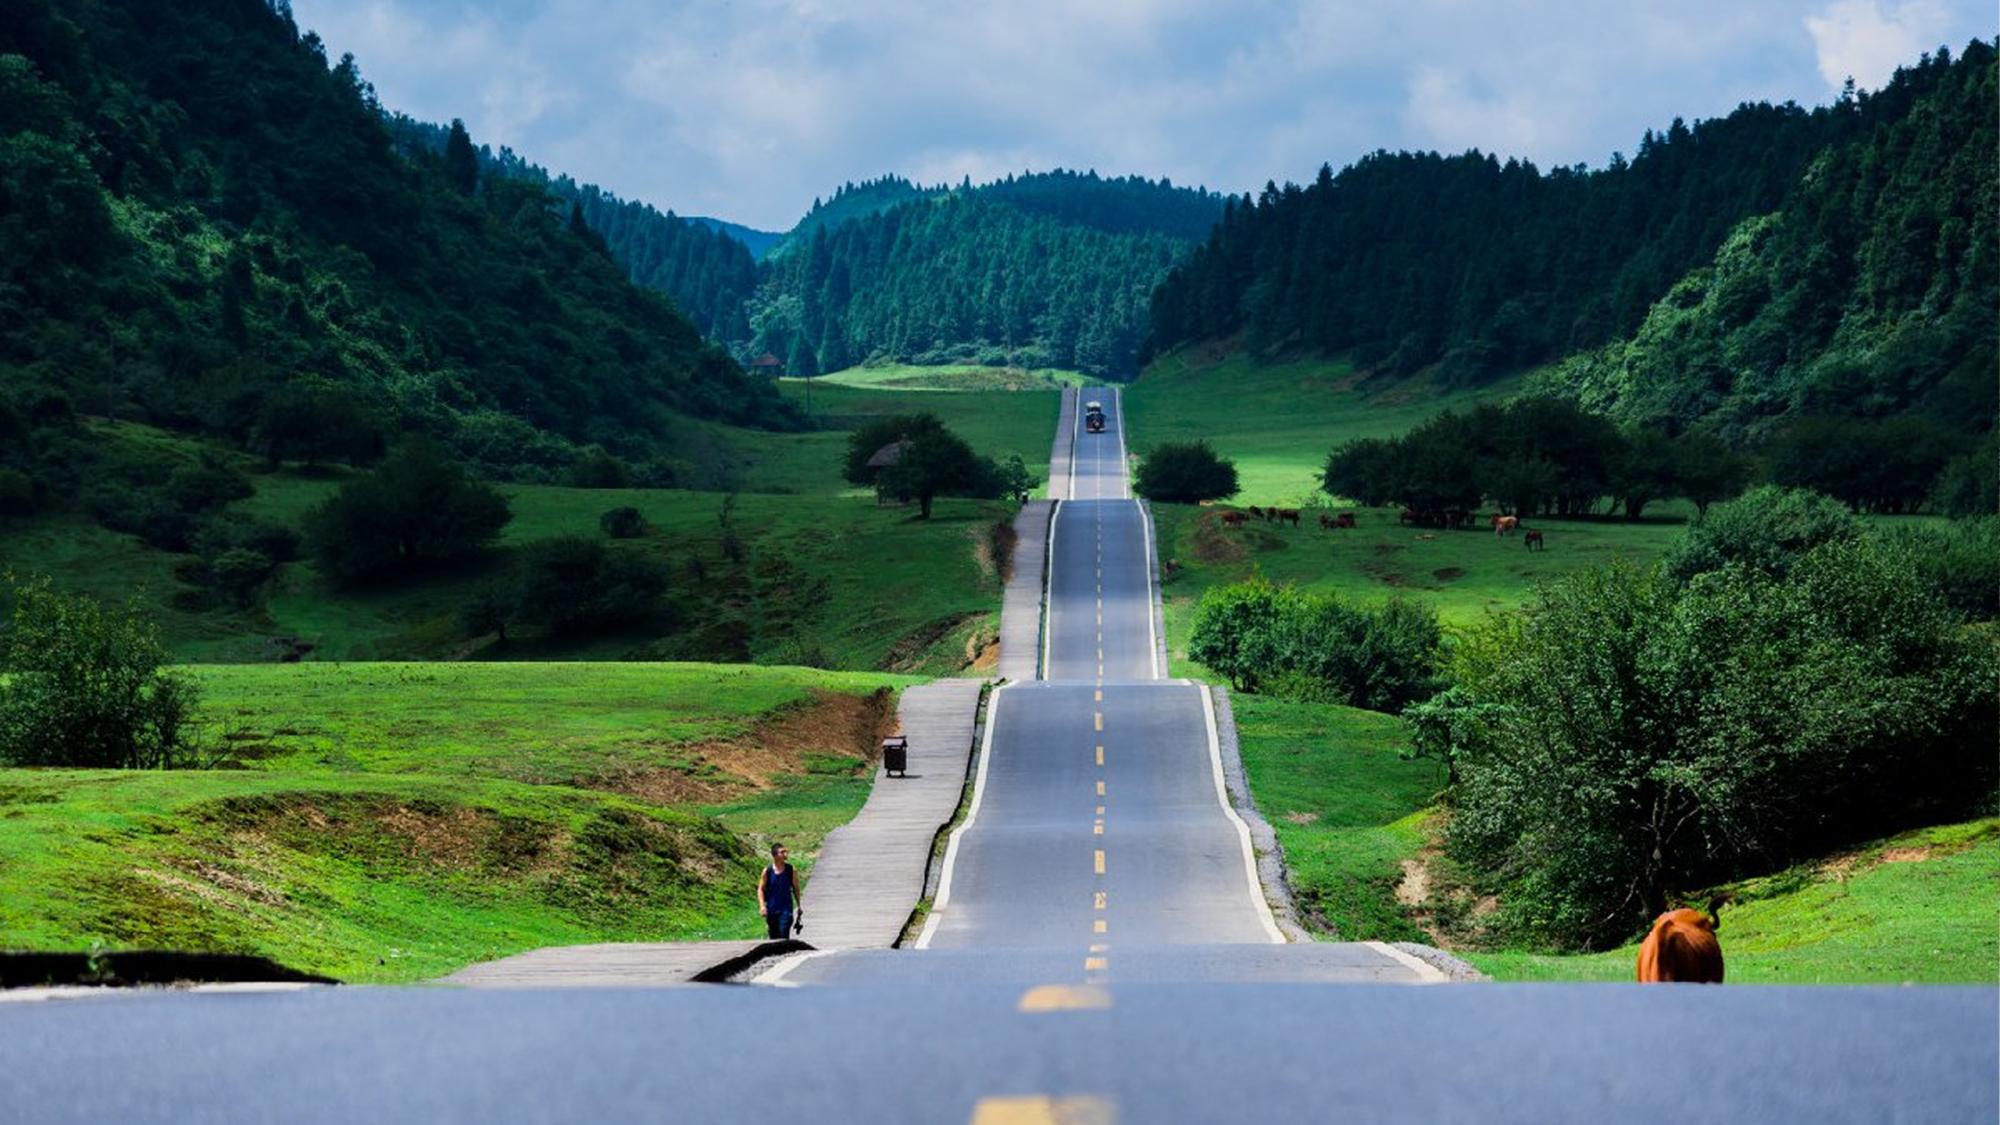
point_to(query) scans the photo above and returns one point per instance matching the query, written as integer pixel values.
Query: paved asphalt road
(1100, 955)
(988, 1052)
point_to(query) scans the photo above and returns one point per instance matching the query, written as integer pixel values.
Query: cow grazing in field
(1682, 948)
(1505, 525)
(1235, 519)
(1344, 520)
(1533, 539)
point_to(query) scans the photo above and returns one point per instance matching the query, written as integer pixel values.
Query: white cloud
(1858, 39)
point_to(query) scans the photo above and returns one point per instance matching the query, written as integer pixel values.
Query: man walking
(778, 894)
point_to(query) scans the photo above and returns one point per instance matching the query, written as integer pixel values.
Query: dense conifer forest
(1048, 270)
(1837, 259)
(206, 224)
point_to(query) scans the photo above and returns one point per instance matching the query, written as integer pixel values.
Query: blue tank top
(778, 889)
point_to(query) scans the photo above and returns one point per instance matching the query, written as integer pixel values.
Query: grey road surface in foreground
(949, 1052)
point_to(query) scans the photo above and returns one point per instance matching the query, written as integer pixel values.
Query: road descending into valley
(1099, 949)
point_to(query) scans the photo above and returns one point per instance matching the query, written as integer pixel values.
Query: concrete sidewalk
(861, 892)
(1021, 604)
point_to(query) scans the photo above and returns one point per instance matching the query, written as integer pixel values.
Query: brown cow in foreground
(1682, 948)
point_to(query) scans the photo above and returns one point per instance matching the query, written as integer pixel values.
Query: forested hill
(1409, 260)
(706, 270)
(1038, 270)
(207, 225)
(1871, 291)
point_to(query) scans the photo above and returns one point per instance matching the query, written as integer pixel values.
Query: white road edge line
(1427, 973)
(776, 974)
(1124, 459)
(1152, 602)
(972, 814)
(1048, 590)
(1255, 884)
(1075, 430)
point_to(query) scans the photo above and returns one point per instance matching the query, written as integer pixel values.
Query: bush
(17, 493)
(574, 585)
(1970, 483)
(1962, 560)
(1767, 529)
(1185, 473)
(206, 486)
(1317, 648)
(417, 509)
(86, 687)
(622, 523)
(598, 469)
(1642, 738)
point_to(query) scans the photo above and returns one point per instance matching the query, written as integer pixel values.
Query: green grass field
(1346, 807)
(948, 377)
(1278, 422)
(995, 422)
(388, 822)
(1350, 812)
(1462, 574)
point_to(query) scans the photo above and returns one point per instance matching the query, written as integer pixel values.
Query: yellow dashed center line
(1064, 998)
(1040, 1109)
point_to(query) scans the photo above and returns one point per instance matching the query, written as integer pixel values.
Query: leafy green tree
(622, 523)
(86, 686)
(574, 585)
(1767, 529)
(1706, 470)
(1970, 482)
(1649, 738)
(417, 509)
(1185, 472)
(1015, 479)
(315, 422)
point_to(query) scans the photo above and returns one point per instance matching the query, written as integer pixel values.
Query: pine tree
(461, 160)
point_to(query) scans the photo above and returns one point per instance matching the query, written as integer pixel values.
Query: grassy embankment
(823, 575)
(392, 822)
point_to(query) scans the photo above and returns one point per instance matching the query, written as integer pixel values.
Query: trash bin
(896, 756)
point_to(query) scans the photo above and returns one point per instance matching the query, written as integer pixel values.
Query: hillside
(209, 228)
(1049, 270)
(707, 266)
(1871, 291)
(1406, 261)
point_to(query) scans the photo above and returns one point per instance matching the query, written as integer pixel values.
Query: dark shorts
(778, 925)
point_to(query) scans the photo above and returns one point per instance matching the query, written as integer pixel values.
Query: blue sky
(748, 109)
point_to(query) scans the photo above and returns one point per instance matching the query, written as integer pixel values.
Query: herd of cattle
(1447, 518)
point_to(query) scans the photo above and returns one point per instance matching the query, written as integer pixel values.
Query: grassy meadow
(1354, 819)
(393, 822)
(1279, 421)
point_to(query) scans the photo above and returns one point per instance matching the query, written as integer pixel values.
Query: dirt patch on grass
(1212, 541)
(780, 744)
(907, 654)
